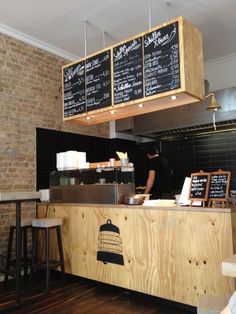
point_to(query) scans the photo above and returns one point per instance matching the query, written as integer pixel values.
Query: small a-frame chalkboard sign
(219, 187)
(199, 186)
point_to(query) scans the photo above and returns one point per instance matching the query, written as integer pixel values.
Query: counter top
(18, 196)
(143, 207)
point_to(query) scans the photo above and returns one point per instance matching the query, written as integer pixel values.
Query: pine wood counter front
(173, 253)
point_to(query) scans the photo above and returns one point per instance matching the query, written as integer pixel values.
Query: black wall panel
(186, 155)
(201, 152)
(50, 142)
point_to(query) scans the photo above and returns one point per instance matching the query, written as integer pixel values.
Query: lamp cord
(214, 120)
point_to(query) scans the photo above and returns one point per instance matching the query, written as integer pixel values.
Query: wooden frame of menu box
(219, 187)
(199, 187)
(190, 88)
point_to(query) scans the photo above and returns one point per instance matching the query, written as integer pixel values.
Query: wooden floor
(84, 296)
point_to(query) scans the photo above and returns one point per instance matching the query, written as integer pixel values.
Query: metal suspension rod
(149, 14)
(85, 38)
(167, 9)
(104, 39)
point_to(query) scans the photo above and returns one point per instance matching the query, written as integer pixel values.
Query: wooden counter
(173, 253)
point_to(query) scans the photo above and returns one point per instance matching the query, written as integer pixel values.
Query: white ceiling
(61, 23)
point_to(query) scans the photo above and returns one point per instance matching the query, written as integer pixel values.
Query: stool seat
(23, 223)
(47, 225)
(46, 222)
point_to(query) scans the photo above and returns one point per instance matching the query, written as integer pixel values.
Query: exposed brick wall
(30, 97)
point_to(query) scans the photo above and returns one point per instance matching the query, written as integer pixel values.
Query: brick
(30, 97)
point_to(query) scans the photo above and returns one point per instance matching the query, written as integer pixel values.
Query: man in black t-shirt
(159, 175)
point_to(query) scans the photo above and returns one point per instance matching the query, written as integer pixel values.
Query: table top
(18, 196)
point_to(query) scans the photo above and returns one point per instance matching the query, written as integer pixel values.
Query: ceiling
(61, 23)
(75, 28)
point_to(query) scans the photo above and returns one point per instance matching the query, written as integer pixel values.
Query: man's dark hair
(152, 150)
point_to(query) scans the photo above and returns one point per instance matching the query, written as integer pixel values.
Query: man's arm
(150, 181)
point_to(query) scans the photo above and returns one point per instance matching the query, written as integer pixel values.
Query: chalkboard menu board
(219, 185)
(144, 69)
(161, 60)
(74, 89)
(199, 186)
(98, 81)
(128, 71)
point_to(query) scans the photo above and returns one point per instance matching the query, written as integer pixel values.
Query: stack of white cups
(71, 160)
(44, 195)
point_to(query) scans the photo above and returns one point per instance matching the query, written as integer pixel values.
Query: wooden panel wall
(173, 254)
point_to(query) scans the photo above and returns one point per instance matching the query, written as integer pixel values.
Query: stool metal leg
(47, 248)
(47, 263)
(25, 252)
(34, 249)
(61, 252)
(9, 250)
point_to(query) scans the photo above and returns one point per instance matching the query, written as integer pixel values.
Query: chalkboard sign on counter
(74, 89)
(128, 71)
(98, 81)
(219, 185)
(161, 60)
(199, 186)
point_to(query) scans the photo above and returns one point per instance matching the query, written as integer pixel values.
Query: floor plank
(83, 296)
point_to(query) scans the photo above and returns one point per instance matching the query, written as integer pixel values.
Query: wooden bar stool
(47, 225)
(26, 225)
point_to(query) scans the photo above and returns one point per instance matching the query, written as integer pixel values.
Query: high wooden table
(18, 198)
(169, 252)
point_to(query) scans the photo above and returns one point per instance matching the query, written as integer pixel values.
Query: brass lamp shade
(213, 105)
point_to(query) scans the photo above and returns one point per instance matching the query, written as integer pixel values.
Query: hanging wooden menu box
(144, 72)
